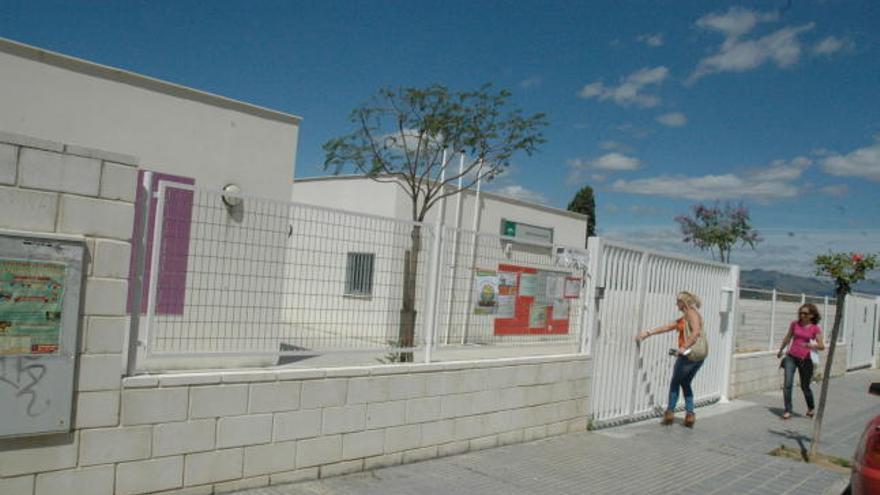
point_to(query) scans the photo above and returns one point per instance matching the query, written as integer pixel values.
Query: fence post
(590, 302)
(772, 319)
(803, 298)
(825, 316)
(139, 245)
(730, 334)
(433, 292)
(152, 300)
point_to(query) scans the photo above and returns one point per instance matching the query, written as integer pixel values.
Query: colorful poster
(572, 288)
(31, 293)
(506, 306)
(528, 284)
(538, 316)
(507, 283)
(560, 309)
(485, 292)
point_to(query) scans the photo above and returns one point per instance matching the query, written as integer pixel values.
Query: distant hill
(784, 282)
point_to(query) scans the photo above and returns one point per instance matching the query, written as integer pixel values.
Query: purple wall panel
(174, 250)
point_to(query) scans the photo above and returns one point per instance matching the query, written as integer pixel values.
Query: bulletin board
(532, 301)
(40, 284)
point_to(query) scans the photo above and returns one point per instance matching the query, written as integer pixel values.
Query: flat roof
(499, 197)
(134, 79)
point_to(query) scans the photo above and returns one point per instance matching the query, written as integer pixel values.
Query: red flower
(857, 258)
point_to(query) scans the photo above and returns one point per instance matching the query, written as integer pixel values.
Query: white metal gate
(635, 289)
(860, 324)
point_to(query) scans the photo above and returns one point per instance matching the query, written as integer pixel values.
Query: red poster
(520, 323)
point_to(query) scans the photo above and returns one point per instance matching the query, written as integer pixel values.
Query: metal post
(772, 319)
(139, 245)
(825, 316)
(454, 259)
(590, 303)
(730, 333)
(154, 264)
(434, 279)
(803, 298)
(473, 268)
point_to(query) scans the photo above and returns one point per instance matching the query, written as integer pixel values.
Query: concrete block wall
(222, 431)
(760, 372)
(48, 188)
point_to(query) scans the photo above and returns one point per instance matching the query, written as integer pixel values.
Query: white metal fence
(764, 316)
(274, 278)
(636, 290)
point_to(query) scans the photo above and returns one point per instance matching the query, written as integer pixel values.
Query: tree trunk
(406, 331)
(826, 376)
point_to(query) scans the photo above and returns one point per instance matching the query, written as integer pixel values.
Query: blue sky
(657, 105)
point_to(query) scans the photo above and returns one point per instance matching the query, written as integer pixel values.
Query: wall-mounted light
(230, 196)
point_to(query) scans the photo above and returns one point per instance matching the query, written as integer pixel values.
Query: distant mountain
(784, 282)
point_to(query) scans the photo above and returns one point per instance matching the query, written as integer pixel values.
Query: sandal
(786, 415)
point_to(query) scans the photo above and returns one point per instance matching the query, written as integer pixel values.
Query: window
(359, 274)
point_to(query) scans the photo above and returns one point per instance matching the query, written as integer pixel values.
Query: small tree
(400, 136)
(719, 228)
(846, 270)
(584, 203)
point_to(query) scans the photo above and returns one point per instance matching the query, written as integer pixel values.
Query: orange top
(679, 325)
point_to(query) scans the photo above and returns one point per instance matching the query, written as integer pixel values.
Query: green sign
(526, 233)
(508, 228)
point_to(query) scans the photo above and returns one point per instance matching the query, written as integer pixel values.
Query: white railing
(765, 315)
(276, 278)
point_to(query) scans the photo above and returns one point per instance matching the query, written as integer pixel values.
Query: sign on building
(526, 233)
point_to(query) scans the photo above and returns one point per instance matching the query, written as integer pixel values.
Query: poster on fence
(31, 294)
(485, 292)
(572, 288)
(530, 301)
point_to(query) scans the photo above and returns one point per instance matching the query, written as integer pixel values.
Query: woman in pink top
(805, 336)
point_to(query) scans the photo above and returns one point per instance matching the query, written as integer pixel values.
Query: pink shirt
(801, 336)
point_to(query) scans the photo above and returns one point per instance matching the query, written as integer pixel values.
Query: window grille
(359, 274)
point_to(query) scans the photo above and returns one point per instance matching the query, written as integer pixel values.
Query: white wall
(171, 129)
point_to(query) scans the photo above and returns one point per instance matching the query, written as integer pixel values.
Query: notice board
(532, 301)
(40, 283)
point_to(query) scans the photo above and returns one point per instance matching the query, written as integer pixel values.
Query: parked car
(865, 479)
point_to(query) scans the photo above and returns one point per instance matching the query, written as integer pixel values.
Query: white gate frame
(634, 272)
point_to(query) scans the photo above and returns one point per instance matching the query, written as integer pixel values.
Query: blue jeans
(804, 368)
(682, 375)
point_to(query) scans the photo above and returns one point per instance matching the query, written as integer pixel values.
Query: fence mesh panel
(269, 276)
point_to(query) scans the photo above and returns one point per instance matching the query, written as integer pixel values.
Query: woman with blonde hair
(691, 352)
(805, 336)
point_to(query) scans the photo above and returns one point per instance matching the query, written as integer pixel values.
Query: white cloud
(652, 40)
(767, 184)
(616, 162)
(607, 163)
(531, 82)
(836, 190)
(610, 145)
(736, 22)
(863, 162)
(672, 119)
(629, 92)
(831, 45)
(782, 47)
(522, 194)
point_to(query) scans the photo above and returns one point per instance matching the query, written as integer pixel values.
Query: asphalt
(726, 453)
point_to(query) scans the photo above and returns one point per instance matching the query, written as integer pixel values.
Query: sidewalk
(724, 454)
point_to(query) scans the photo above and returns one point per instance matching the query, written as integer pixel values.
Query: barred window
(359, 274)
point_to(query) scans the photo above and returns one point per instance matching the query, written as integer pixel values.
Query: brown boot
(689, 420)
(668, 418)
